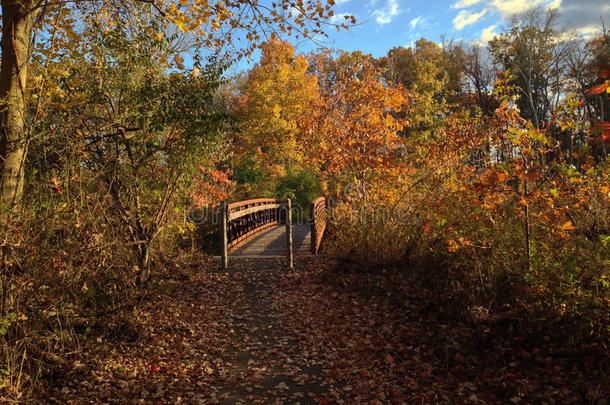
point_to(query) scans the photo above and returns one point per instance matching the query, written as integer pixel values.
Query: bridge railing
(247, 218)
(318, 223)
(243, 219)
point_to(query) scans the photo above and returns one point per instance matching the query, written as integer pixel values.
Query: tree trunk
(17, 24)
(532, 105)
(528, 243)
(144, 264)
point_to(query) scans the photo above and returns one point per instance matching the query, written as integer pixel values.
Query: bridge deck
(272, 242)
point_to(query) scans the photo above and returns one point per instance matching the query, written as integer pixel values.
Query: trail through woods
(262, 334)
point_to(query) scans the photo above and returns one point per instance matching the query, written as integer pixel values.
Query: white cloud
(385, 14)
(339, 18)
(507, 8)
(581, 16)
(589, 32)
(465, 3)
(585, 33)
(337, 2)
(488, 34)
(511, 7)
(414, 22)
(465, 18)
(584, 15)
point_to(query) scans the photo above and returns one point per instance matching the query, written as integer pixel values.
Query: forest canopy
(479, 170)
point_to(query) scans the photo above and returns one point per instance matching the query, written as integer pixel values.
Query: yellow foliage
(278, 94)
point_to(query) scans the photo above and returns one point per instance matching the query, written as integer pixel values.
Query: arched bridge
(267, 227)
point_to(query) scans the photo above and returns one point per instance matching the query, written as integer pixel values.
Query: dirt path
(264, 363)
(208, 337)
(315, 335)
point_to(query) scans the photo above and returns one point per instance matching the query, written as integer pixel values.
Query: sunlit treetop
(241, 24)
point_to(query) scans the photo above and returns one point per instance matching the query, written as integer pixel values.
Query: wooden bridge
(264, 227)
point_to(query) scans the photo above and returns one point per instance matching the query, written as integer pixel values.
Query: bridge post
(289, 233)
(223, 232)
(312, 229)
(319, 212)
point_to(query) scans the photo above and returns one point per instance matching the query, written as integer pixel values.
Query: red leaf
(599, 89)
(604, 71)
(323, 400)
(604, 127)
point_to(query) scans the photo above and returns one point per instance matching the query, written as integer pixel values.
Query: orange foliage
(352, 134)
(211, 186)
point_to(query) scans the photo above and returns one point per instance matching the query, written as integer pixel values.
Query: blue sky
(389, 23)
(384, 24)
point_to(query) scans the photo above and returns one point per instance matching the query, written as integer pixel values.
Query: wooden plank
(319, 236)
(258, 257)
(312, 227)
(269, 238)
(243, 238)
(318, 223)
(223, 230)
(289, 234)
(247, 211)
(272, 241)
(252, 257)
(250, 202)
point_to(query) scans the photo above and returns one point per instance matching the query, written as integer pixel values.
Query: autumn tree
(353, 136)
(276, 99)
(423, 71)
(17, 27)
(534, 54)
(596, 90)
(215, 25)
(480, 77)
(327, 65)
(132, 129)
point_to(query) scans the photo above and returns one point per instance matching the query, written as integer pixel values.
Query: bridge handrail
(243, 219)
(249, 217)
(240, 205)
(318, 223)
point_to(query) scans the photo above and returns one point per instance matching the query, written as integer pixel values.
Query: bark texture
(18, 20)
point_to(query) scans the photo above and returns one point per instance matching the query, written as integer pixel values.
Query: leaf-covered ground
(263, 334)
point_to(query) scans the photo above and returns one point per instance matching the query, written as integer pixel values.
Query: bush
(108, 186)
(302, 187)
(520, 238)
